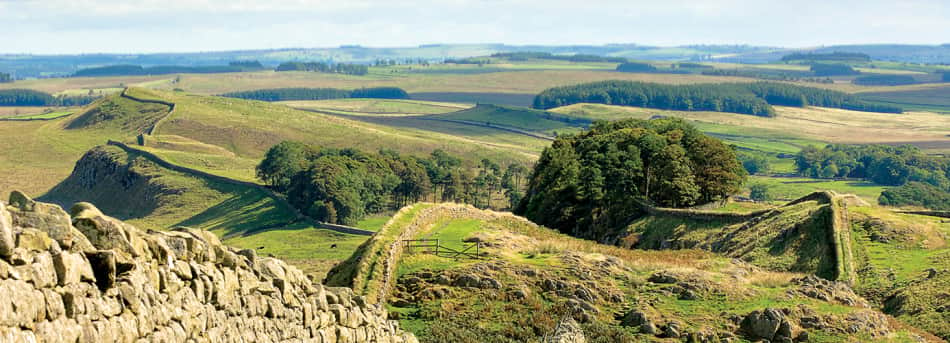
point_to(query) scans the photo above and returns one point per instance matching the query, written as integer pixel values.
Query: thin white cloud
(62, 26)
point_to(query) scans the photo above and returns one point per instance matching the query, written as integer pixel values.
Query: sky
(143, 26)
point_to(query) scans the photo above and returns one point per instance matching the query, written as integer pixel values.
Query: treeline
(916, 194)
(884, 80)
(919, 179)
(29, 97)
(833, 69)
(636, 67)
(750, 98)
(834, 56)
(597, 179)
(343, 185)
(767, 75)
(881, 164)
(526, 55)
(287, 94)
(5, 78)
(337, 68)
(135, 70)
(469, 60)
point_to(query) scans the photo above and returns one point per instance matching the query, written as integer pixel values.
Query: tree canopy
(884, 80)
(337, 68)
(29, 97)
(343, 185)
(285, 94)
(832, 69)
(746, 98)
(595, 180)
(5, 78)
(834, 56)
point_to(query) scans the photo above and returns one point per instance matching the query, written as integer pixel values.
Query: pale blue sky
(82, 26)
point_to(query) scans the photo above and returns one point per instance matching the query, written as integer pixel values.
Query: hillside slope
(530, 283)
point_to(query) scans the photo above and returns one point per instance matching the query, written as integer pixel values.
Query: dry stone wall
(86, 277)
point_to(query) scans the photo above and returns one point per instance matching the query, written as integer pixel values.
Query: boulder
(567, 331)
(769, 324)
(6, 233)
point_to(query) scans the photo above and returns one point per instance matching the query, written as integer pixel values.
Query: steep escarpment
(86, 277)
(809, 235)
(134, 186)
(527, 283)
(122, 185)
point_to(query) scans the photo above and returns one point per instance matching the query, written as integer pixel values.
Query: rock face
(91, 278)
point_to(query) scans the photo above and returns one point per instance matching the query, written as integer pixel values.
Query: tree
(598, 179)
(760, 192)
(282, 162)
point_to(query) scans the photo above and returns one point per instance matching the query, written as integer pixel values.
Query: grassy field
(790, 188)
(45, 116)
(936, 99)
(794, 127)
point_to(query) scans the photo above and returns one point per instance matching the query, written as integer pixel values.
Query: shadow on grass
(246, 210)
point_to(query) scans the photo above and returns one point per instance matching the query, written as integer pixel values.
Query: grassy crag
(532, 282)
(807, 235)
(138, 189)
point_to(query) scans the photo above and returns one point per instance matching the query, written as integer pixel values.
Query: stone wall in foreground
(85, 277)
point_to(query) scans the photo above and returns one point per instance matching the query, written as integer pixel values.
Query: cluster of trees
(343, 185)
(29, 97)
(5, 78)
(916, 194)
(691, 65)
(770, 75)
(636, 67)
(882, 164)
(132, 70)
(287, 94)
(526, 55)
(337, 68)
(248, 65)
(834, 56)
(596, 179)
(708, 97)
(754, 162)
(470, 60)
(832, 69)
(751, 98)
(884, 80)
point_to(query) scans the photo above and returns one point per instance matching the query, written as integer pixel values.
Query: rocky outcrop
(86, 277)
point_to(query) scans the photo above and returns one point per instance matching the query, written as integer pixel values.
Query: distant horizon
(343, 46)
(67, 27)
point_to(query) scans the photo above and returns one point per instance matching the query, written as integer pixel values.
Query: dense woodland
(832, 69)
(917, 194)
(884, 80)
(320, 67)
(287, 94)
(29, 97)
(828, 57)
(5, 78)
(752, 98)
(526, 55)
(882, 164)
(636, 67)
(596, 180)
(132, 70)
(343, 185)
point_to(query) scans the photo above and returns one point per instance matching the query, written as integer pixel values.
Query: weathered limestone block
(72, 268)
(124, 285)
(49, 218)
(6, 233)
